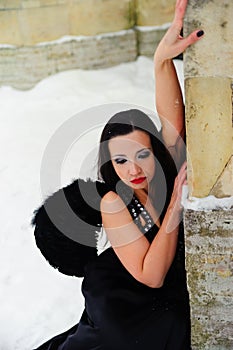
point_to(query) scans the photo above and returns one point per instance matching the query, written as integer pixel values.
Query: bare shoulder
(111, 203)
(110, 196)
(127, 241)
(114, 211)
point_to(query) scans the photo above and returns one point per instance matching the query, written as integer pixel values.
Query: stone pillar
(209, 265)
(208, 69)
(208, 92)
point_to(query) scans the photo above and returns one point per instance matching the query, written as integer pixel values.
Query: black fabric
(66, 226)
(123, 314)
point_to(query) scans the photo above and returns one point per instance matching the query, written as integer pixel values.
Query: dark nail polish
(200, 33)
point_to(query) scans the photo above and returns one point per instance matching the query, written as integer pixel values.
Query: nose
(134, 169)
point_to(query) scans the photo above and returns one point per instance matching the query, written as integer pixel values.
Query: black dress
(122, 313)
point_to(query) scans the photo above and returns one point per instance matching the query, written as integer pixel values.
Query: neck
(142, 195)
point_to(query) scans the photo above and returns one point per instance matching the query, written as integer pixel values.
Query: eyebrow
(124, 155)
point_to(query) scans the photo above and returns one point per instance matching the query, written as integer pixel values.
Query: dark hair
(124, 123)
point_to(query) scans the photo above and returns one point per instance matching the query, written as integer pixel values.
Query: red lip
(139, 180)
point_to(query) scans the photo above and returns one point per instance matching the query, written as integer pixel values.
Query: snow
(206, 203)
(69, 38)
(7, 46)
(37, 302)
(164, 26)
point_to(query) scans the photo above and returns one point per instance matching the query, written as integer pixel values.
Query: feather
(66, 226)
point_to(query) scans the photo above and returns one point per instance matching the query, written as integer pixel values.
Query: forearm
(168, 99)
(161, 252)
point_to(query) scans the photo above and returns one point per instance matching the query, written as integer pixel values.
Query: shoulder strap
(136, 209)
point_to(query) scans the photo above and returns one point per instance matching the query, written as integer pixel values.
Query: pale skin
(132, 158)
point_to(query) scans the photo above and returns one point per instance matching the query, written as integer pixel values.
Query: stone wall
(22, 67)
(96, 34)
(28, 22)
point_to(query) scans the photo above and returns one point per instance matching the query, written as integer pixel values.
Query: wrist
(161, 63)
(173, 218)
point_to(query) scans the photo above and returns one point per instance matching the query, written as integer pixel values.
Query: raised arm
(168, 95)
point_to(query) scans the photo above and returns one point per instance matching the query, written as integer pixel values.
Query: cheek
(150, 167)
(118, 170)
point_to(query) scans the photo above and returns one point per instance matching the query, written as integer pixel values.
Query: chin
(141, 186)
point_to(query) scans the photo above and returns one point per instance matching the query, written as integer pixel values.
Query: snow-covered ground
(36, 301)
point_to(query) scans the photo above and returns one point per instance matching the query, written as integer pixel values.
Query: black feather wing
(66, 226)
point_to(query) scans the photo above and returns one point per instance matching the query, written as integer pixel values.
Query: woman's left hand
(175, 209)
(173, 43)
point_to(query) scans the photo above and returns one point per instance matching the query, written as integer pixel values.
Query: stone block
(10, 4)
(23, 67)
(148, 39)
(91, 17)
(10, 27)
(211, 56)
(49, 2)
(224, 184)
(30, 3)
(210, 330)
(209, 131)
(105, 51)
(154, 13)
(43, 24)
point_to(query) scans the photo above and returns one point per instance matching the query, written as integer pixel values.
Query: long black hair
(124, 123)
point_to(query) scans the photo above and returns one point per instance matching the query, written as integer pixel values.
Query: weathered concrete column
(208, 68)
(208, 90)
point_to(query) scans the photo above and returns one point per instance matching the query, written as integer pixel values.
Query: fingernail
(200, 33)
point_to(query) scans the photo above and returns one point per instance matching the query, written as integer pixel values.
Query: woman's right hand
(173, 44)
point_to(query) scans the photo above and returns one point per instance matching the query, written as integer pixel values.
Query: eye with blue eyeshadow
(141, 155)
(120, 160)
(144, 154)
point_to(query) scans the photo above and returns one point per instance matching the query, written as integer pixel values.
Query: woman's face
(133, 159)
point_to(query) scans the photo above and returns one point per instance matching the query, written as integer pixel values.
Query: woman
(135, 291)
